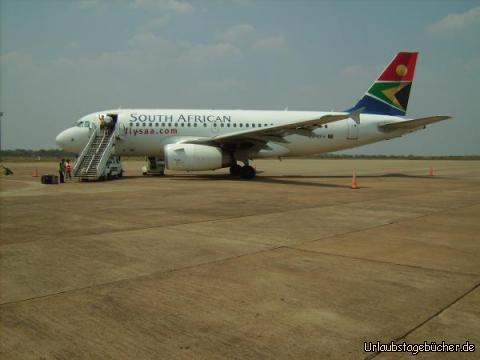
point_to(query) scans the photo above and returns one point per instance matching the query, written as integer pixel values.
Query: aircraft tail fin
(389, 94)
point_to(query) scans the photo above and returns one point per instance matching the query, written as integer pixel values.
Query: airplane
(197, 140)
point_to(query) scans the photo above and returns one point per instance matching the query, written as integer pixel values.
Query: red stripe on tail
(402, 68)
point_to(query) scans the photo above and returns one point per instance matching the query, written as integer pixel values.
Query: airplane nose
(73, 139)
(61, 139)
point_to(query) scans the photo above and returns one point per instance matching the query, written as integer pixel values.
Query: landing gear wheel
(235, 170)
(248, 172)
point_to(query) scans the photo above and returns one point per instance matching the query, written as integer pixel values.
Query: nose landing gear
(155, 166)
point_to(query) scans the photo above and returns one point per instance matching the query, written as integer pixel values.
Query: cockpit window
(81, 123)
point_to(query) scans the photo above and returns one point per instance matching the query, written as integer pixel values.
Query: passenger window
(182, 124)
(241, 125)
(144, 124)
(205, 125)
(234, 124)
(150, 125)
(247, 125)
(253, 125)
(195, 125)
(222, 125)
(214, 124)
(228, 125)
(138, 124)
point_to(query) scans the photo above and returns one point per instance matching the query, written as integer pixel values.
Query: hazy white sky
(60, 60)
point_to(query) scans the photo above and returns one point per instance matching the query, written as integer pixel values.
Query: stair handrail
(80, 157)
(106, 154)
(85, 170)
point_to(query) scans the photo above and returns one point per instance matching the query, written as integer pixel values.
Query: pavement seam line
(383, 262)
(255, 252)
(269, 213)
(375, 227)
(369, 357)
(140, 276)
(247, 254)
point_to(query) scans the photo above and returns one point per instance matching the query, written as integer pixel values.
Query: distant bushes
(393, 157)
(39, 155)
(24, 154)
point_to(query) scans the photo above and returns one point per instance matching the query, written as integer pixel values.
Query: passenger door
(353, 129)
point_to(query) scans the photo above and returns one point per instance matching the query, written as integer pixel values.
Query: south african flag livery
(389, 94)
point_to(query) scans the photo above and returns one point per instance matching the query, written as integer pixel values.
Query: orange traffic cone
(430, 171)
(35, 172)
(354, 181)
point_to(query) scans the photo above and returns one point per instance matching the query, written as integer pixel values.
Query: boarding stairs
(92, 161)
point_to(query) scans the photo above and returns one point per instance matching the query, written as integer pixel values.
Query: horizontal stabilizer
(414, 123)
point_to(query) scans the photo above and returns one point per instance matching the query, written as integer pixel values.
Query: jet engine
(193, 157)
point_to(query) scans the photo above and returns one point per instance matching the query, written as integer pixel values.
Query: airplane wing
(414, 123)
(278, 132)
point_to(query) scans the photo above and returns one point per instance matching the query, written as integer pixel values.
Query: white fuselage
(147, 131)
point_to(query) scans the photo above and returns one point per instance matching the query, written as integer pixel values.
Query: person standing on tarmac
(68, 170)
(61, 171)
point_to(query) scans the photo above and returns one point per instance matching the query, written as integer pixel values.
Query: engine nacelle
(193, 157)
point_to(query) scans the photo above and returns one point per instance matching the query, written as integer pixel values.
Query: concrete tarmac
(291, 265)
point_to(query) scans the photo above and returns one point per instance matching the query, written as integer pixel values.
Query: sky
(60, 60)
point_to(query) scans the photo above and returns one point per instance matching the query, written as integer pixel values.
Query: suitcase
(49, 179)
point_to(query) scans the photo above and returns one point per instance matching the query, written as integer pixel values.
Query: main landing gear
(245, 172)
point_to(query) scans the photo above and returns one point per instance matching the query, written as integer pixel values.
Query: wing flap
(414, 123)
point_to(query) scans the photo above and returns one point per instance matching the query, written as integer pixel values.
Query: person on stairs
(106, 124)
